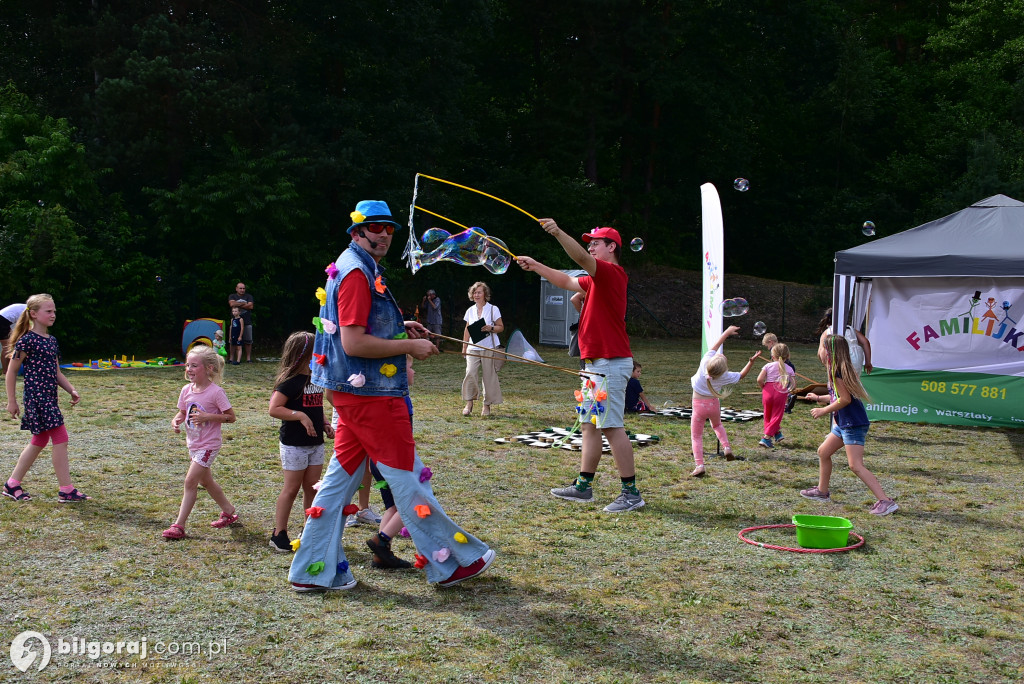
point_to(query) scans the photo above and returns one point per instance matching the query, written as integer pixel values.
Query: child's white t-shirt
(699, 381)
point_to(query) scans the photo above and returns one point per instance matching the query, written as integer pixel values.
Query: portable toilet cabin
(557, 313)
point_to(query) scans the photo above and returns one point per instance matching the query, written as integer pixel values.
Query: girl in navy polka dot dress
(35, 350)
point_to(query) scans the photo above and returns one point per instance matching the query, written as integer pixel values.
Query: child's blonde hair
(780, 353)
(213, 362)
(838, 360)
(716, 366)
(769, 340)
(297, 350)
(24, 322)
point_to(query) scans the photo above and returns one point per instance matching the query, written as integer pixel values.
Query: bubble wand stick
(480, 192)
(513, 356)
(815, 382)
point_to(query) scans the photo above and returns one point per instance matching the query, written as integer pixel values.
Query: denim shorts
(855, 434)
(616, 374)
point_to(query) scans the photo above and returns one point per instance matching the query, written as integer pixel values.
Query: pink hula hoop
(859, 543)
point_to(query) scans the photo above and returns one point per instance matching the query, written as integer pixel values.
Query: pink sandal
(225, 519)
(175, 531)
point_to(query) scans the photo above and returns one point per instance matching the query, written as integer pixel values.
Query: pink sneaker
(814, 494)
(884, 507)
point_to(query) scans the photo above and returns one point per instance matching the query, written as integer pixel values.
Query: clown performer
(360, 359)
(604, 348)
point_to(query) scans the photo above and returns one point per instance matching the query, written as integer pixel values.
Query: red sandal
(175, 531)
(225, 519)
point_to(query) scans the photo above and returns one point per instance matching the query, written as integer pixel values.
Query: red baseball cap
(605, 234)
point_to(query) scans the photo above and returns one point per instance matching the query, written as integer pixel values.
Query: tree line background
(154, 153)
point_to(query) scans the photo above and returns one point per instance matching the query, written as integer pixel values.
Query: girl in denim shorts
(299, 405)
(850, 424)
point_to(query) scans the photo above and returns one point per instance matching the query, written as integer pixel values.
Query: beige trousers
(484, 360)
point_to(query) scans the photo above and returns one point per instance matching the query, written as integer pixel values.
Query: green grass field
(665, 594)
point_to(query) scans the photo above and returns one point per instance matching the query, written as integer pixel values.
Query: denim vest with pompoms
(385, 322)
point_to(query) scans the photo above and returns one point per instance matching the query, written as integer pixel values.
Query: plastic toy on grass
(121, 363)
(200, 331)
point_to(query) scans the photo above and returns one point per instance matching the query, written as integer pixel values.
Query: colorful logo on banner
(988, 323)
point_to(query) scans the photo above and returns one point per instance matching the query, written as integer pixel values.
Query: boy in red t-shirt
(604, 348)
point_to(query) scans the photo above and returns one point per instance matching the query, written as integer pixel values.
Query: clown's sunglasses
(378, 228)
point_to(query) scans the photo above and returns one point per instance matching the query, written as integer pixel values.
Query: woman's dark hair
(825, 321)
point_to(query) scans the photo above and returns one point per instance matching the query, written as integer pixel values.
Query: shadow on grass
(566, 625)
(959, 518)
(1016, 440)
(942, 477)
(889, 439)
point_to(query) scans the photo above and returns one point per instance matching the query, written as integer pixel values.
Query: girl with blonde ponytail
(712, 381)
(35, 350)
(776, 380)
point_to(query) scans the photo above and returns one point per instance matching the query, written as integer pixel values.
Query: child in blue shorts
(849, 426)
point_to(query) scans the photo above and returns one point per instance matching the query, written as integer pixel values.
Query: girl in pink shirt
(202, 407)
(776, 380)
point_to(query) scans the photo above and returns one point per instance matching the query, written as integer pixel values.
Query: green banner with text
(914, 396)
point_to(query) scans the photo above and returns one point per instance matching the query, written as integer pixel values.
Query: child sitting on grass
(636, 400)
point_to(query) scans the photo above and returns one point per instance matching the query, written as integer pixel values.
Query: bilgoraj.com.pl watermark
(34, 650)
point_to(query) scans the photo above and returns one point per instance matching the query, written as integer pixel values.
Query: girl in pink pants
(776, 380)
(712, 381)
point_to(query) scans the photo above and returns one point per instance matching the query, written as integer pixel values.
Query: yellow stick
(416, 206)
(527, 362)
(485, 237)
(480, 192)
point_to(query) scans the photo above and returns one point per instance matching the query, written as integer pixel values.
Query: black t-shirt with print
(302, 395)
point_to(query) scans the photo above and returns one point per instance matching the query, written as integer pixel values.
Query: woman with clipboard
(483, 323)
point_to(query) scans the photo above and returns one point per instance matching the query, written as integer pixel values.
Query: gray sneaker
(625, 502)
(574, 494)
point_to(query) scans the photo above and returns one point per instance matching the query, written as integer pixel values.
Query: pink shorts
(59, 435)
(204, 457)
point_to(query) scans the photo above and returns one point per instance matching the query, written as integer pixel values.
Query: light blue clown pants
(322, 536)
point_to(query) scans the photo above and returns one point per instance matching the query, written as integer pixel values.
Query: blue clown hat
(372, 211)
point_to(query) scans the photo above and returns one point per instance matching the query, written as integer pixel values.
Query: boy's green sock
(584, 480)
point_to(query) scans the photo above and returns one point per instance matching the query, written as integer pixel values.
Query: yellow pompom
(357, 217)
(593, 419)
(388, 370)
(321, 294)
(295, 544)
(461, 538)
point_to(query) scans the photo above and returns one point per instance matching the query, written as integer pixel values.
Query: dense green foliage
(207, 142)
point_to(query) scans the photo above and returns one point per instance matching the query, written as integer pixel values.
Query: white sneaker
(368, 516)
(351, 521)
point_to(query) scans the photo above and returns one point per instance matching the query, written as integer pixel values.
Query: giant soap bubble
(472, 247)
